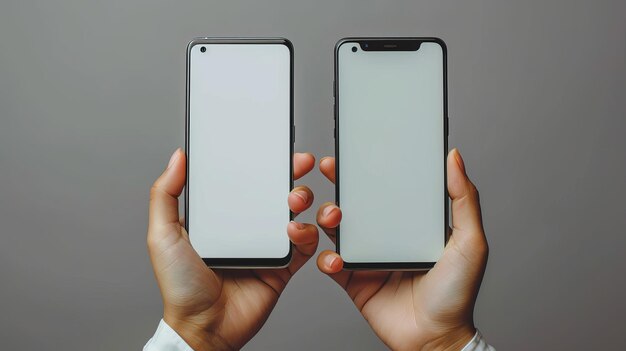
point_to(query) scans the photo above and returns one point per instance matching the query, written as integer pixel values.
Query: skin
(215, 309)
(419, 310)
(218, 309)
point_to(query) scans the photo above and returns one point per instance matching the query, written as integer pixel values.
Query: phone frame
(390, 44)
(244, 263)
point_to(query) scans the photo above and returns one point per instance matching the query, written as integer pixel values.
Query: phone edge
(391, 266)
(242, 263)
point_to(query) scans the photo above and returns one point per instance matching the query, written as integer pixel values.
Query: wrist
(196, 336)
(453, 340)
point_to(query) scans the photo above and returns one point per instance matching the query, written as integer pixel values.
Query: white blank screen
(239, 150)
(391, 154)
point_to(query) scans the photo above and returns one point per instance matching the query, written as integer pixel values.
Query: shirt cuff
(478, 343)
(166, 339)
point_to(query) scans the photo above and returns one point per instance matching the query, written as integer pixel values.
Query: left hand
(416, 310)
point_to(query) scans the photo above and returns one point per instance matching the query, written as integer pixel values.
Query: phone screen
(239, 151)
(391, 153)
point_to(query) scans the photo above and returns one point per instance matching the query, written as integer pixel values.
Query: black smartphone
(391, 136)
(239, 144)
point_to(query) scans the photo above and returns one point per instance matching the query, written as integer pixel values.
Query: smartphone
(239, 144)
(391, 129)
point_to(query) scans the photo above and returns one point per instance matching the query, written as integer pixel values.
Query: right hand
(218, 309)
(419, 310)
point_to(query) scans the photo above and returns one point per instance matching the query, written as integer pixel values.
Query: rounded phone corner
(342, 41)
(285, 261)
(193, 42)
(441, 43)
(287, 43)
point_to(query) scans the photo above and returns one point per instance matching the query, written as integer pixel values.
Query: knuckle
(473, 190)
(154, 192)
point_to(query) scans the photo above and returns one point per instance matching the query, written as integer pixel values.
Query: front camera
(203, 49)
(354, 49)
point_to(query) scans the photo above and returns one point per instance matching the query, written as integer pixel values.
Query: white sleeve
(478, 343)
(166, 339)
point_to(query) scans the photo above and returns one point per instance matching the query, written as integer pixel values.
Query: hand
(217, 309)
(419, 310)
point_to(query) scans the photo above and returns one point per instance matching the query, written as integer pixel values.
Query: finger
(329, 215)
(165, 192)
(330, 263)
(327, 167)
(305, 238)
(360, 286)
(300, 198)
(303, 163)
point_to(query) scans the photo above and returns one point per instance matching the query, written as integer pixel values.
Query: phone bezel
(390, 44)
(244, 263)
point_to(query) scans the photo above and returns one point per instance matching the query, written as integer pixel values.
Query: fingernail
(303, 195)
(330, 260)
(459, 160)
(328, 210)
(299, 226)
(173, 158)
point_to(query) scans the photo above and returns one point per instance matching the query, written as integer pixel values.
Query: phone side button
(293, 134)
(334, 133)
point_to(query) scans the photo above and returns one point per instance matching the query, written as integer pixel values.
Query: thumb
(466, 214)
(164, 195)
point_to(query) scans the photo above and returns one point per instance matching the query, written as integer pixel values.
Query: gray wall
(92, 103)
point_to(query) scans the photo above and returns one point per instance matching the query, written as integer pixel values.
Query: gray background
(91, 106)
